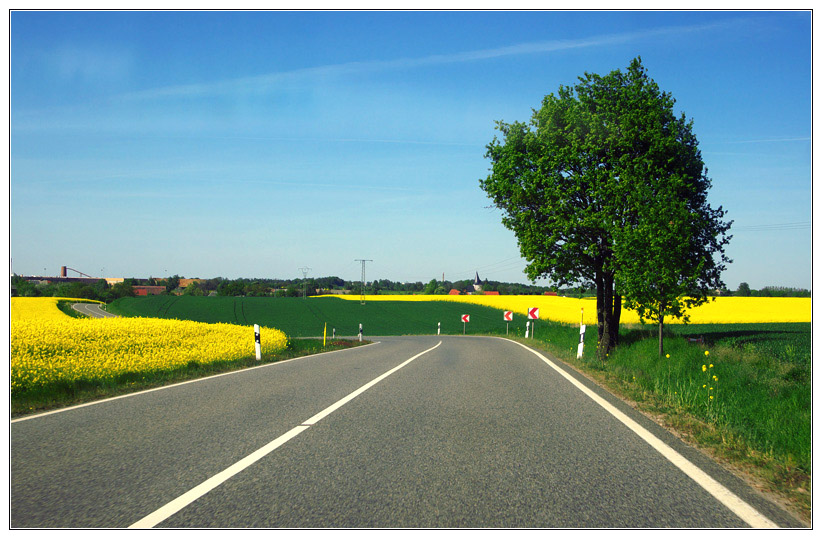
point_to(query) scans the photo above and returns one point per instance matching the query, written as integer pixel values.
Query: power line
(776, 226)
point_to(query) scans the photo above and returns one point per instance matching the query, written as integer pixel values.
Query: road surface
(408, 432)
(92, 309)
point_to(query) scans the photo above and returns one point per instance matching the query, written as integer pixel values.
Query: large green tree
(587, 186)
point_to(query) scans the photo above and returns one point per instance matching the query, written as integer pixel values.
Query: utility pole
(362, 290)
(305, 273)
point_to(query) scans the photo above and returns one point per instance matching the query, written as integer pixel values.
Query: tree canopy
(606, 184)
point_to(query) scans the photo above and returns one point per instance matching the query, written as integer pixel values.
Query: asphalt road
(474, 432)
(92, 309)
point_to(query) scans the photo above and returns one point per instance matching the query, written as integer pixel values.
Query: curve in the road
(92, 309)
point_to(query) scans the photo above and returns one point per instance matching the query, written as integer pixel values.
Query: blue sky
(246, 144)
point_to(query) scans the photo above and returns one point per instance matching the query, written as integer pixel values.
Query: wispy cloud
(271, 81)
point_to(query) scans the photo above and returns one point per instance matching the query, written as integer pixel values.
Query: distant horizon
(426, 281)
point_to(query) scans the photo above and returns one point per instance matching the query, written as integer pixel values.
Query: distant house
(454, 292)
(146, 290)
(491, 293)
(549, 293)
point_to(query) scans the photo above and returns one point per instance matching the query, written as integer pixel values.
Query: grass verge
(82, 391)
(743, 394)
(65, 306)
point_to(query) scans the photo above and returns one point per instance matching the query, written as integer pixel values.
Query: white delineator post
(581, 340)
(360, 332)
(438, 327)
(533, 314)
(527, 327)
(257, 348)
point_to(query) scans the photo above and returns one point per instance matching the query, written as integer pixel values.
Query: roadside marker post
(438, 327)
(527, 327)
(257, 349)
(360, 332)
(581, 340)
(533, 314)
(465, 319)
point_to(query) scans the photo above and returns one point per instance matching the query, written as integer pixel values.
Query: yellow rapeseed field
(724, 310)
(39, 308)
(50, 347)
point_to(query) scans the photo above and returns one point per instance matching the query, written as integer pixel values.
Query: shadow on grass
(788, 342)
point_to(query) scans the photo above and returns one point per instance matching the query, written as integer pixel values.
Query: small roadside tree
(667, 263)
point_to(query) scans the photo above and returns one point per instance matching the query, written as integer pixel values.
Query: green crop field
(299, 317)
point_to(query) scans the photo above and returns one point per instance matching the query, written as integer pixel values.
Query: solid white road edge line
(751, 516)
(209, 484)
(170, 386)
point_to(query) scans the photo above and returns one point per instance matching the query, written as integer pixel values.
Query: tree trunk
(609, 327)
(661, 324)
(661, 351)
(617, 315)
(600, 306)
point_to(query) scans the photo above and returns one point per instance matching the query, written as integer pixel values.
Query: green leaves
(606, 184)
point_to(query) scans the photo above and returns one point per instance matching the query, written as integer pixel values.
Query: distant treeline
(320, 285)
(772, 291)
(220, 286)
(100, 290)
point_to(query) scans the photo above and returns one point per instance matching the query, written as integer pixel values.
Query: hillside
(299, 317)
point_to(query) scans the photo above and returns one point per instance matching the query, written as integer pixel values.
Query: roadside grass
(64, 394)
(744, 395)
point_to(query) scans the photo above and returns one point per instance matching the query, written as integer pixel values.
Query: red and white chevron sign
(533, 313)
(508, 316)
(466, 318)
